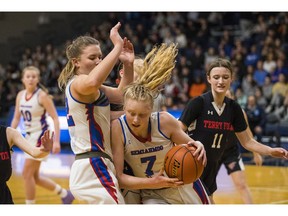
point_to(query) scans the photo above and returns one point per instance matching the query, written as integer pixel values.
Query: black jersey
(213, 127)
(5, 168)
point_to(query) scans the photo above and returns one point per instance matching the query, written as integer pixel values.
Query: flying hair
(157, 66)
(155, 71)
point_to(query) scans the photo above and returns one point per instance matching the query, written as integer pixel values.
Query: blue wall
(64, 133)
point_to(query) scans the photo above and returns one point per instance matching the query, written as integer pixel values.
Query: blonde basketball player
(142, 138)
(92, 177)
(33, 103)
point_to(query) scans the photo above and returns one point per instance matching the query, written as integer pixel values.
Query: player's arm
(246, 138)
(171, 128)
(127, 57)
(14, 137)
(47, 102)
(128, 181)
(17, 115)
(249, 143)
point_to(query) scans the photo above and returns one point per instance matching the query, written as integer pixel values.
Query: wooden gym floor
(268, 184)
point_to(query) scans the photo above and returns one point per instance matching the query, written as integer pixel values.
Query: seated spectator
(269, 63)
(248, 84)
(256, 117)
(280, 68)
(260, 98)
(198, 87)
(240, 97)
(252, 57)
(277, 119)
(260, 74)
(267, 88)
(281, 86)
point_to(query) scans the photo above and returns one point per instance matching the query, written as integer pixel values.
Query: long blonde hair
(156, 70)
(73, 51)
(157, 66)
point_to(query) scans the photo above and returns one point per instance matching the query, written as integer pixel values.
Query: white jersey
(141, 156)
(34, 114)
(146, 158)
(35, 120)
(88, 123)
(92, 180)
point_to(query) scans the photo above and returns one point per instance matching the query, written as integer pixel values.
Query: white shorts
(34, 140)
(187, 194)
(93, 180)
(131, 196)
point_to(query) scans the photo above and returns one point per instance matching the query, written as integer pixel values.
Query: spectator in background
(248, 84)
(204, 30)
(252, 57)
(280, 68)
(267, 88)
(198, 87)
(280, 87)
(261, 100)
(256, 117)
(269, 63)
(260, 74)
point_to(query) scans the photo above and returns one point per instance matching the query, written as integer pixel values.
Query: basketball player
(92, 176)
(212, 117)
(32, 104)
(142, 138)
(133, 196)
(8, 138)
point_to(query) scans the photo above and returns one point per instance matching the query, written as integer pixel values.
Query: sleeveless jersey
(145, 159)
(88, 123)
(92, 180)
(212, 127)
(34, 115)
(5, 168)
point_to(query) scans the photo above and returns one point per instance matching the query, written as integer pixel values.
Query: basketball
(180, 163)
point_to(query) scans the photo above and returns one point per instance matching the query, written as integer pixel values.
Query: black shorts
(232, 160)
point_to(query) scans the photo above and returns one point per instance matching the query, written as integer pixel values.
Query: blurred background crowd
(255, 42)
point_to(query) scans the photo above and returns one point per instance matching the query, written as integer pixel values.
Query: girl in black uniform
(9, 137)
(212, 117)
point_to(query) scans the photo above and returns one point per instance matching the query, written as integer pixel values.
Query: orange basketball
(180, 163)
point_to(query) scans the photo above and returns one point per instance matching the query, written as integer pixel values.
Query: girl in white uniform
(92, 176)
(142, 139)
(33, 104)
(140, 154)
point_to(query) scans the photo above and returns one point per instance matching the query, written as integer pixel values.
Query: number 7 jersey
(145, 158)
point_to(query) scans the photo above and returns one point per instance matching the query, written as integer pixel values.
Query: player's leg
(93, 180)
(240, 183)
(236, 170)
(49, 184)
(29, 169)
